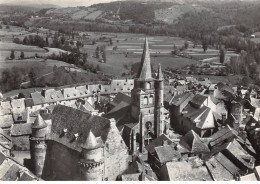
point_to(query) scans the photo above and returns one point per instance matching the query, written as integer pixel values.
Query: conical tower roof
(159, 74)
(145, 71)
(91, 141)
(39, 122)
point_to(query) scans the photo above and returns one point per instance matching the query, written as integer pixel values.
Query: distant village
(156, 127)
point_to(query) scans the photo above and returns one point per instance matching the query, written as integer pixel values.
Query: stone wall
(115, 164)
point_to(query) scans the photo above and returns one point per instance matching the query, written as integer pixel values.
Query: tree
(12, 56)
(32, 77)
(97, 52)
(47, 41)
(98, 68)
(17, 41)
(104, 56)
(110, 41)
(205, 45)
(62, 40)
(222, 55)
(22, 55)
(26, 40)
(186, 44)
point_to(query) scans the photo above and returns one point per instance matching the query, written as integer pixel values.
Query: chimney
(43, 92)
(224, 117)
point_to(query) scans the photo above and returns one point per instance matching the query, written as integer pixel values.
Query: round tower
(92, 161)
(38, 145)
(158, 102)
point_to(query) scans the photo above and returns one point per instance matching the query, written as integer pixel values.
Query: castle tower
(92, 161)
(158, 102)
(38, 145)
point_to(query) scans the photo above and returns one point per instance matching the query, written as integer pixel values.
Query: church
(143, 118)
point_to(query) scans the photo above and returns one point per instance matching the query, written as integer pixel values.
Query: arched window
(145, 100)
(151, 99)
(148, 85)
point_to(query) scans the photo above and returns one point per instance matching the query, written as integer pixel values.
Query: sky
(63, 3)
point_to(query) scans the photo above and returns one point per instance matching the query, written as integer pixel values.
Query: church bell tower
(147, 100)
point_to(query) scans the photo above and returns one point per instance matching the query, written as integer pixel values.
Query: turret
(158, 102)
(92, 160)
(38, 145)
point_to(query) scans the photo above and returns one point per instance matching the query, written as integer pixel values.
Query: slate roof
(193, 143)
(91, 142)
(18, 103)
(121, 97)
(39, 122)
(199, 116)
(6, 121)
(157, 142)
(11, 174)
(159, 73)
(37, 98)
(179, 99)
(145, 71)
(167, 153)
(62, 117)
(222, 136)
(255, 102)
(198, 100)
(218, 171)
(21, 129)
(249, 177)
(182, 171)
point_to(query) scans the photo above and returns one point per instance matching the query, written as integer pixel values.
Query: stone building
(145, 118)
(77, 146)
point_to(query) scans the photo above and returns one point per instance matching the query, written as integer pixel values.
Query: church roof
(145, 71)
(159, 74)
(39, 122)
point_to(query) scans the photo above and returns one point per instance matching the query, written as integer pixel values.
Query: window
(151, 99)
(148, 85)
(145, 100)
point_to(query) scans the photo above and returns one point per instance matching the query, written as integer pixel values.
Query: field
(117, 62)
(6, 47)
(41, 67)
